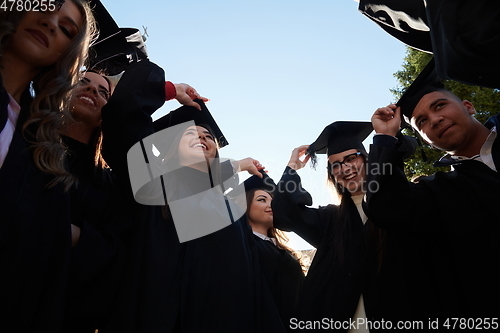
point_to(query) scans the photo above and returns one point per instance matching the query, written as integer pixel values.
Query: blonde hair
(52, 93)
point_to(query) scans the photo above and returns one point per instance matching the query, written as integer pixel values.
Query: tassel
(421, 145)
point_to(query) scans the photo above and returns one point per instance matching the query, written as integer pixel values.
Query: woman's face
(196, 145)
(41, 37)
(348, 169)
(91, 94)
(260, 211)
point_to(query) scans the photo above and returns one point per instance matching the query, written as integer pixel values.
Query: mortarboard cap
(115, 48)
(186, 113)
(106, 25)
(426, 82)
(265, 183)
(341, 136)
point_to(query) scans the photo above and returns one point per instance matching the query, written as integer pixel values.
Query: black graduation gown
(97, 261)
(209, 284)
(332, 289)
(284, 277)
(463, 35)
(35, 240)
(456, 215)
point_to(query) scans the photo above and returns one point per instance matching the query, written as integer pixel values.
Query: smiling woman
(41, 46)
(89, 96)
(98, 206)
(49, 49)
(40, 57)
(351, 267)
(192, 264)
(281, 266)
(195, 146)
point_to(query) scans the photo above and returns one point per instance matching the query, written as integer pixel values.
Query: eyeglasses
(348, 161)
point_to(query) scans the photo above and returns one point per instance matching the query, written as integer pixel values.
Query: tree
(485, 100)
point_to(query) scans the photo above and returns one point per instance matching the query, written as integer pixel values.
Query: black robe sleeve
(292, 214)
(332, 288)
(284, 277)
(35, 240)
(454, 226)
(126, 117)
(99, 209)
(209, 284)
(391, 196)
(462, 35)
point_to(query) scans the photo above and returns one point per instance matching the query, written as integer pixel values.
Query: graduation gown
(463, 35)
(332, 288)
(209, 284)
(35, 240)
(284, 277)
(455, 213)
(97, 261)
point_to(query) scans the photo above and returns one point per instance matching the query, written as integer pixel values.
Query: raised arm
(291, 201)
(390, 196)
(126, 118)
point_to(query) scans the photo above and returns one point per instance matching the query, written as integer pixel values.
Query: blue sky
(276, 71)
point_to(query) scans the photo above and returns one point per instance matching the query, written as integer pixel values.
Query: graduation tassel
(421, 145)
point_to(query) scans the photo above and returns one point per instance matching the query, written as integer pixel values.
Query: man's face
(444, 121)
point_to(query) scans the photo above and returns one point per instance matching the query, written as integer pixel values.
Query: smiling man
(453, 214)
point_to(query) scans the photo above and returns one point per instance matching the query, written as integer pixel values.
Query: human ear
(469, 106)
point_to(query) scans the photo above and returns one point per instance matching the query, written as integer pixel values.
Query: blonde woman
(41, 53)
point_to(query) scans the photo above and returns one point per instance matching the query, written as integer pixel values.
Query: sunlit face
(349, 170)
(41, 37)
(260, 212)
(91, 94)
(196, 145)
(444, 121)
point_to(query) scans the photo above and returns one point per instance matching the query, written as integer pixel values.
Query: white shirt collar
(7, 133)
(264, 237)
(484, 156)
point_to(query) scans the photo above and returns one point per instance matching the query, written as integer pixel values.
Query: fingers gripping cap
(426, 82)
(265, 183)
(116, 47)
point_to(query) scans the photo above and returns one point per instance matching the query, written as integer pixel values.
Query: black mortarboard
(115, 48)
(463, 35)
(404, 20)
(426, 82)
(265, 183)
(340, 136)
(105, 23)
(186, 113)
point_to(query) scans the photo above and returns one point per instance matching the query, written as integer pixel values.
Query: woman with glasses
(348, 281)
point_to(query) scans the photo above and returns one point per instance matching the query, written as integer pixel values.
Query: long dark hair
(96, 138)
(339, 237)
(280, 236)
(169, 153)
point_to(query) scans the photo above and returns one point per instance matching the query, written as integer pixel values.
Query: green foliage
(485, 100)
(414, 62)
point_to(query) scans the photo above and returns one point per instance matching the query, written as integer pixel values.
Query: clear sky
(276, 71)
